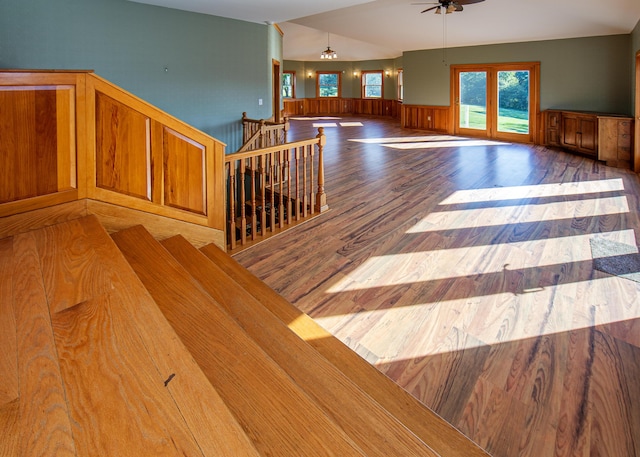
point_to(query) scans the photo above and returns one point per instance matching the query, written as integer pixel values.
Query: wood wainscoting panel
(37, 154)
(432, 118)
(184, 174)
(123, 148)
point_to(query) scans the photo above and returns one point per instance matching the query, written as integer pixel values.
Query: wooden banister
(261, 133)
(273, 188)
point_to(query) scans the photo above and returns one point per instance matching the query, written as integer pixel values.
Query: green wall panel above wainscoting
(591, 73)
(203, 69)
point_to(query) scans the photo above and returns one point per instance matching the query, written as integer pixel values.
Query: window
(289, 84)
(328, 84)
(372, 84)
(400, 85)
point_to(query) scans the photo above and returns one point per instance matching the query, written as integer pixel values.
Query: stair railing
(274, 188)
(261, 133)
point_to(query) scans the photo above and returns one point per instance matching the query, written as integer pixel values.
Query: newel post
(321, 197)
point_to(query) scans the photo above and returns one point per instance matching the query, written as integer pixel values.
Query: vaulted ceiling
(381, 29)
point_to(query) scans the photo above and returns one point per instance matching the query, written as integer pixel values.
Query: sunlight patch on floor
(409, 139)
(486, 320)
(536, 191)
(314, 118)
(412, 267)
(519, 214)
(443, 144)
(428, 142)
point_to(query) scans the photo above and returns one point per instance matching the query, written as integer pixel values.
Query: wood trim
(636, 149)
(30, 204)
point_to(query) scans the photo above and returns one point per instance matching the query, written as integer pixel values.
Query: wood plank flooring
(87, 357)
(465, 272)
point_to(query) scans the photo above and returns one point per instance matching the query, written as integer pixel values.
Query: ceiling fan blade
(458, 7)
(467, 2)
(430, 9)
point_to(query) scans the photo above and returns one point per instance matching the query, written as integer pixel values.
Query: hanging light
(328, 53)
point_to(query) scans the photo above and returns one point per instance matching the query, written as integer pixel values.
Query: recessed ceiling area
(382, 29)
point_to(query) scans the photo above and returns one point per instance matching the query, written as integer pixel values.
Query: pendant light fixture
(328, 53)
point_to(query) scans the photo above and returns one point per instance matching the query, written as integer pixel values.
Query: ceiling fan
(449, 6)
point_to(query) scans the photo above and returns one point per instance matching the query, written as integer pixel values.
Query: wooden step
(364, 420)
(99, 369)
(279, 417)
(441, 436)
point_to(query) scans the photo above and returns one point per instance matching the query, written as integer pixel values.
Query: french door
(498, 101)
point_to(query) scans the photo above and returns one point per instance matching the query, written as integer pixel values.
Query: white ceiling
(381, 29)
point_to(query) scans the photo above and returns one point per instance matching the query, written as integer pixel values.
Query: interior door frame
(277, 90)
(636, 147)
(492, 70)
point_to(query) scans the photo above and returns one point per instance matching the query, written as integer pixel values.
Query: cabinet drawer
(624, 128)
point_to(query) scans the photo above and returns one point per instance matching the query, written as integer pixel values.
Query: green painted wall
(216, 68)
(584, 73)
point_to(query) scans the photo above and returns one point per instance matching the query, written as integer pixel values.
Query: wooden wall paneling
(187, 132)
(433, 118)
(66, 136)
(441, 119)
(123, 148)
(184, 172)
(28, 152)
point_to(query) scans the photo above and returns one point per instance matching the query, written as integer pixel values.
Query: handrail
(261, 133)
(92, 139)
(273, 188)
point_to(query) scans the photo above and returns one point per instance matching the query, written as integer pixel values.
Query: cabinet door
(552, 129)
(588, 136)
(570, 129)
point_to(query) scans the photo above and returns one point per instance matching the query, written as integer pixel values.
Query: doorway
(498, 101)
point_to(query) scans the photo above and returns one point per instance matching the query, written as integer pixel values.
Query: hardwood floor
(465, 271)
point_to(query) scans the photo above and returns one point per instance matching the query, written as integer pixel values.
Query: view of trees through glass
(328, 84)
(287, 85)
(473, 100)
(513, 100)
(372, 82)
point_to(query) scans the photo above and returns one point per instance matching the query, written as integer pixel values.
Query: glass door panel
(513, 101)
(473, 100)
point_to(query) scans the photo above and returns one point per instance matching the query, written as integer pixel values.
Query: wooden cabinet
(606, 137)
(615, 141)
